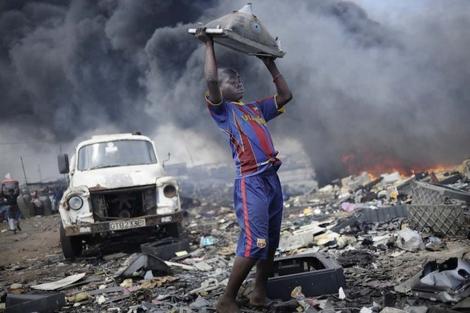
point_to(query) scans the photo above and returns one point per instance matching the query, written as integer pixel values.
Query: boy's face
(231, 87)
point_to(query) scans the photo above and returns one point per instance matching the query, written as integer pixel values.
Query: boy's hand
(202, 36)
(284, 95)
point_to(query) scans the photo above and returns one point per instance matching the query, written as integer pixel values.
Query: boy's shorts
(258, 205)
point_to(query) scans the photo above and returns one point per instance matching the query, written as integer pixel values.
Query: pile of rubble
(362, 244)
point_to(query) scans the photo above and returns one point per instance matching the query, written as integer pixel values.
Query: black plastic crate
(40, 303)
(165, 249)
(317, 274)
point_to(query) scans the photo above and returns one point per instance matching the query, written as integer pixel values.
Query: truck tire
(174, 230)
(71, 246)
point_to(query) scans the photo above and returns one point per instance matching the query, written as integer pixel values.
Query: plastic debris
(391, 310)
(306, 303)
(206, 241)
(78, 297)
(148, 275)
(199, 303)
(60, 283)
(157, 282)
(101, 299)
(341, 294)
(434, 244)
(139, 263)
(409, 240)
(127, 283)
(206, 286)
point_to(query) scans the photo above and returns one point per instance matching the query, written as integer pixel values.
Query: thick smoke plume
(371, 84)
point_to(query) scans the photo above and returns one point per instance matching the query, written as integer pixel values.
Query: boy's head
(230, 84)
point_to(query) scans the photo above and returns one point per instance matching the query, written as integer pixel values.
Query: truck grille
(123, 203)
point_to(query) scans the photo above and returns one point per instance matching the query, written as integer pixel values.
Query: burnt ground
(33, 256)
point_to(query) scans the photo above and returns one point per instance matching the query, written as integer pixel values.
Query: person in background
(13, 211)
(38, 207)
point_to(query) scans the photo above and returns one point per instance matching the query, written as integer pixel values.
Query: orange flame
(377, 165)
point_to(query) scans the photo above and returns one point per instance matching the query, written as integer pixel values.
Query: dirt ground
(38, 238)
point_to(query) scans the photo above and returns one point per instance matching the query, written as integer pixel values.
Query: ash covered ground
(378, 252)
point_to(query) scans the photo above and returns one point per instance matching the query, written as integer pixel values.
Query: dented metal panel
(165, 248)
(242, 31)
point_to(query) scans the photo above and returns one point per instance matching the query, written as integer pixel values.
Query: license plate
(120, 225)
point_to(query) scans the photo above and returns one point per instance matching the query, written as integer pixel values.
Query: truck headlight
(169, 191)
(75, 203)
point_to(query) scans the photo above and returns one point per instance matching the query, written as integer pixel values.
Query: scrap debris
(384, 256)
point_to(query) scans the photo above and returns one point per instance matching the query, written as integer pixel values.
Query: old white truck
(117, 185)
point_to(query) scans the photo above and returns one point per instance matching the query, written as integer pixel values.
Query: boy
(257, 190)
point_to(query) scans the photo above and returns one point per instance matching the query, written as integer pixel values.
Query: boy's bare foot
(226, 305)
(258, 298)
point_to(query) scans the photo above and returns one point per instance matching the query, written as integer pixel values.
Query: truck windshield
(115, 153)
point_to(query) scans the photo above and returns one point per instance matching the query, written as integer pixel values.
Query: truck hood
(118, 177)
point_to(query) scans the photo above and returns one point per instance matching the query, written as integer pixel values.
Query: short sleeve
(268, 107)
(218, 112)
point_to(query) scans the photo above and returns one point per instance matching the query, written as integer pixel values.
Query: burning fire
(377, 165)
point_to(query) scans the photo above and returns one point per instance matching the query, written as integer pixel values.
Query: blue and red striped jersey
(246, 126)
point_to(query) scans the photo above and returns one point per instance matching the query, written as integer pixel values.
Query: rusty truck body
(116, 184)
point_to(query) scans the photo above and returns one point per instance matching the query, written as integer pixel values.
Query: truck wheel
(71, 246)
(174, 229)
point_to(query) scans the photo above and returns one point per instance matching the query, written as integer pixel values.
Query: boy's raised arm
(210, 67)
(284, 94)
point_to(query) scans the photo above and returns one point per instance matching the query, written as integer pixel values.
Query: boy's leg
(241, 268)
(251, 208)
(264, 267)
(263, 270)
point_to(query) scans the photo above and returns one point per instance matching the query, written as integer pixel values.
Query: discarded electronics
(140, 263)
(439, 209)
(382, 215)
(360, 258)
(41, 303)
(242, 31)
(300, 238)
(365, 216)
(448, 281)
(165, 249)
(317, 274)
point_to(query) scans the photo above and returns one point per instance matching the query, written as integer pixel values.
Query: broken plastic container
(242, 31)
(317, 274)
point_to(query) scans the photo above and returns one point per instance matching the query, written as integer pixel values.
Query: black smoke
(363, 87)
(71, 66)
